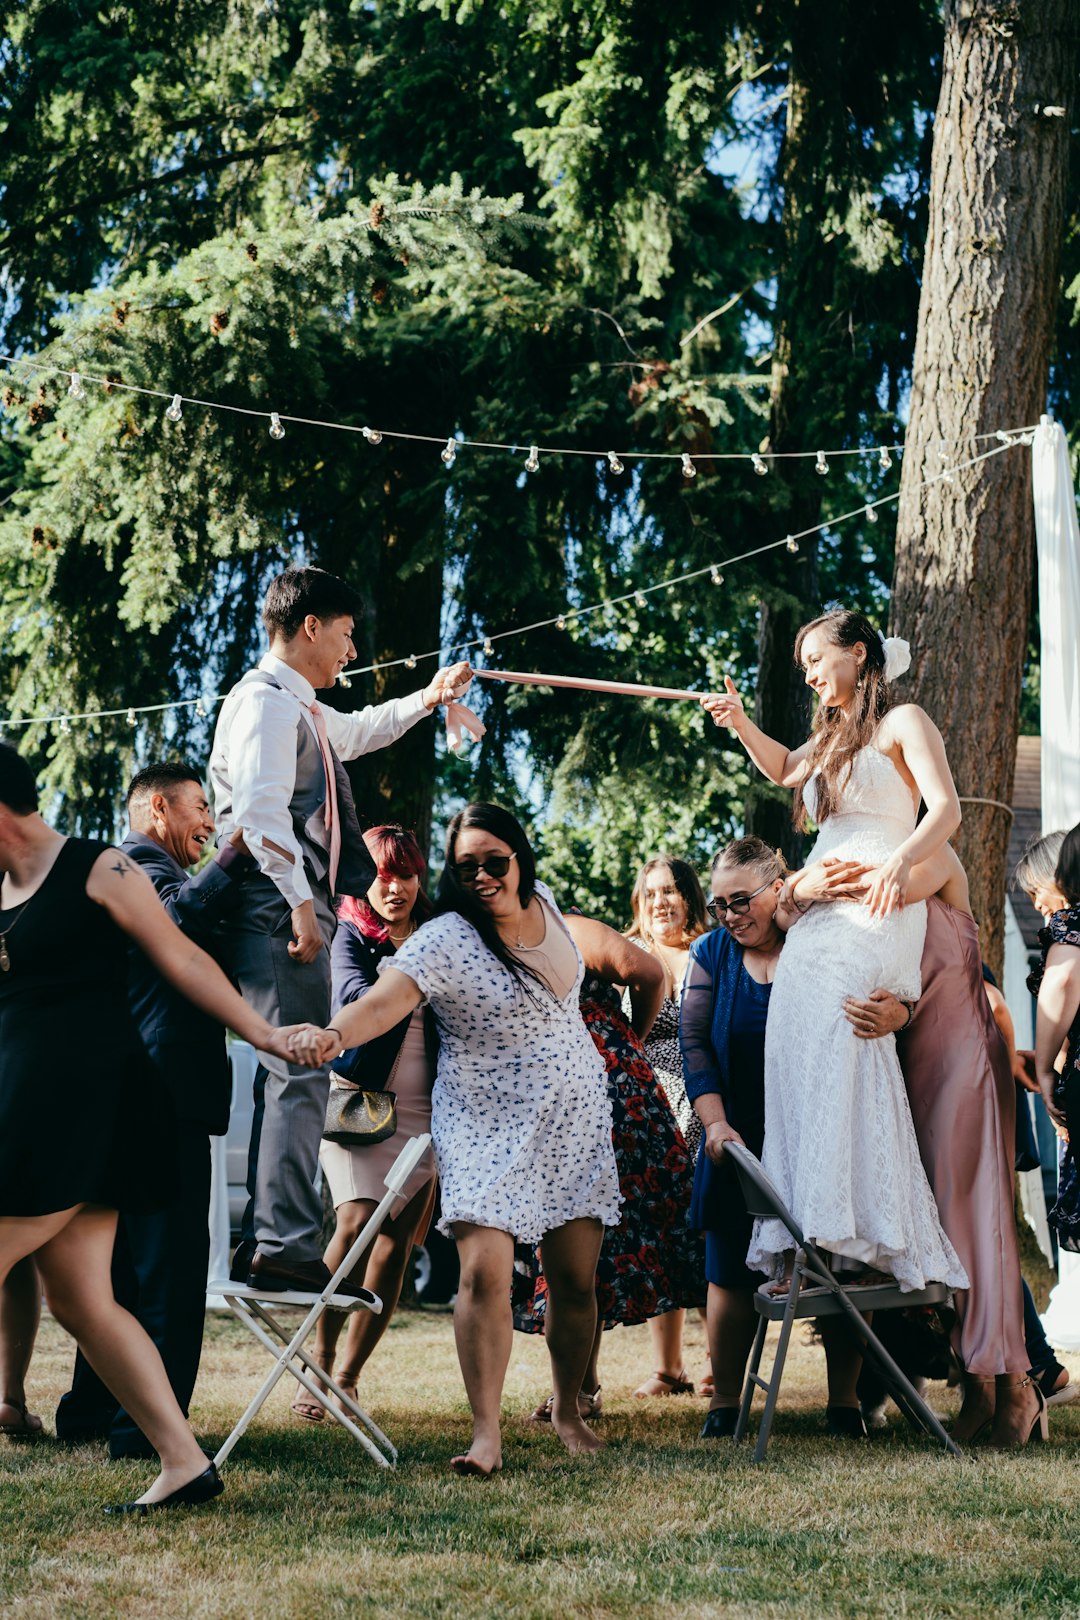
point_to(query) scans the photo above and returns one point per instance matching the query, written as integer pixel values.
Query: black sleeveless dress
(84, 1116)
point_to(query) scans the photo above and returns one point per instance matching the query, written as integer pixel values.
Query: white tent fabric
(1058, 536)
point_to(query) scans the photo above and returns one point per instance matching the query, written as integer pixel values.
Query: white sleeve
(427, 959)
(262, 768)
(377, 726)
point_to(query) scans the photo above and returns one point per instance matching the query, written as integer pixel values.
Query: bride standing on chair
(839, 1141)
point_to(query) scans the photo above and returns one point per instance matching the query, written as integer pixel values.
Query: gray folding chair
(249, 1305)
(828, 1297)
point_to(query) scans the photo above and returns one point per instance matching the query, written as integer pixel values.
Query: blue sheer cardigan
(706, 1068)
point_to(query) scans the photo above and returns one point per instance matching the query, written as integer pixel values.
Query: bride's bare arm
(784, 766)
(910, 730)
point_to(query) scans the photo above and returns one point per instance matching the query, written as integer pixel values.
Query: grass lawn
(662, 1524)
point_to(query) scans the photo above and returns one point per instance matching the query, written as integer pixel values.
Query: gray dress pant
(255, 939)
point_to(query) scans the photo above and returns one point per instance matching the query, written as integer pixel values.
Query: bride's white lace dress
(839, 1141)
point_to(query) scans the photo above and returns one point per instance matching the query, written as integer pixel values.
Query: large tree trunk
(961, 590)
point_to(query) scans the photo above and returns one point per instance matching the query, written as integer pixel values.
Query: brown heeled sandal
(676, 1386)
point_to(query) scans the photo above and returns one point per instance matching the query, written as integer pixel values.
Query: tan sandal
(589, 1406)
(675, 1386)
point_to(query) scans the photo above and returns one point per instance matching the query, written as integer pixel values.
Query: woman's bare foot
(575, 1435)
(348, 1383)
(305, 1406)
(1019, 1415)
(484, 1457)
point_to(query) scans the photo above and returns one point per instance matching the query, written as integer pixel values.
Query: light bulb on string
(75, 387)
(613, 462)
(870, 514)
(372, 435)
(200, 710)
(560, 622)
(64, 727)
(821, 465)
(759, 464)
(131, 720)
(174, 411)
(276, 429)
(715, 575)
(884, 459)
(410, 662)
(532, 460)
(489, 647)
(639, 598)
(791, 543)
(344, 680)
(688, 468)
(449, 455)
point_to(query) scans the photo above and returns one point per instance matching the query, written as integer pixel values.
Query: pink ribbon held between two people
(460, 718)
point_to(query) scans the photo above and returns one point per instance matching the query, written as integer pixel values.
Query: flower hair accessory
(897, 656)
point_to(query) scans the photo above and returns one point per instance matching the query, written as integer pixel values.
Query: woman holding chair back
(520, 1114)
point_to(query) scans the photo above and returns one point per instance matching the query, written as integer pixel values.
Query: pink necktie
(333, 822)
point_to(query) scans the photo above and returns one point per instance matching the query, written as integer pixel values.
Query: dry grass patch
(662, 1524)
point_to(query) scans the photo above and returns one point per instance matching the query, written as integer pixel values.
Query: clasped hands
(305, 1044)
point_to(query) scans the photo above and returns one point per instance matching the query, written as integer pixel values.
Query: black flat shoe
(720, 1423)
(203, 1488)
(845, 1422)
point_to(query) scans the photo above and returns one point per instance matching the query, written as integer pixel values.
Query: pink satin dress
(963, 1103)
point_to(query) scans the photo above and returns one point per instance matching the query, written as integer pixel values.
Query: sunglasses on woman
(717, 907)
(496, 866)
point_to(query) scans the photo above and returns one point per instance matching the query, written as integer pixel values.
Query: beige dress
(360, 1172)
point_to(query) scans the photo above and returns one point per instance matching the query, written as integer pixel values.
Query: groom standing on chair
(277, 776)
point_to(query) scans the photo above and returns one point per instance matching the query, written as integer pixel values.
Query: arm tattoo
(122, 867)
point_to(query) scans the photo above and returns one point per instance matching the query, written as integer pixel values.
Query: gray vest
(356, 869)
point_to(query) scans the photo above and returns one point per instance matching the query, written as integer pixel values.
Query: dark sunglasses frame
(734, 908)
(496, 866)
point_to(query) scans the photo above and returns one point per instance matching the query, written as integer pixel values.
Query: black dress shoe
(203, 1488)
(845, 1422)
(720, 1423)
(306, 1276)
(243, 1255)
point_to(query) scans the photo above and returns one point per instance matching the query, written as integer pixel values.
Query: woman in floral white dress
(839, 1140)
(520, 1114)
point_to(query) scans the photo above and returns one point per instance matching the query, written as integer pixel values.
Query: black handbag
(359, 1118)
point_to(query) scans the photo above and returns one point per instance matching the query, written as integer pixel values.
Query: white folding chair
(249, 1305)
(827, 1297)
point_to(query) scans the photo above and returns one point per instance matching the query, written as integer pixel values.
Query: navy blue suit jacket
(186, 1044)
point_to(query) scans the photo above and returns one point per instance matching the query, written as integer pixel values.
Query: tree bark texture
(962, 582)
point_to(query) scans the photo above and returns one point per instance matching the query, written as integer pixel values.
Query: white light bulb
(613, 462)
(410, 662)
(449, 455)
(372, 435)
(343, 680)
(791, 543)
(173, 412)
(884, 459)
(821, 465)
(200, 711)
(532, 460)
(871, 515)
(639, 598)
(131, 717)
(76, 389)
(276, 429)
(560, 622)
(759, 464)
(65, 726)
(688, 468)
(715, 575)
(489, 647)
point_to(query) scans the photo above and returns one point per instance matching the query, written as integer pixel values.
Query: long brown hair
(839, 734)
(688, 885)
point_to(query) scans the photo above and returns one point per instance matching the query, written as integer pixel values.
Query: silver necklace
(5, 959)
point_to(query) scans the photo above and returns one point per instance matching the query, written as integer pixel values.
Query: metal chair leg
(742, 1422)
(779, 1358)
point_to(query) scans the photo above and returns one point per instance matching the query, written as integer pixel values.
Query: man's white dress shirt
(254, 761)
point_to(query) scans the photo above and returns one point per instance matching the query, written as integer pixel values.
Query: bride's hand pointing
(726, 707)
